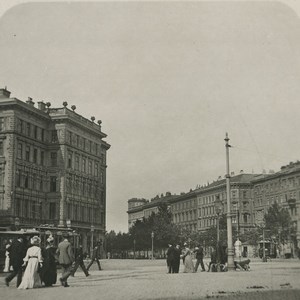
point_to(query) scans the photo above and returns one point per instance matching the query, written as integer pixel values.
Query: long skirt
(31, 278)
(188, 265)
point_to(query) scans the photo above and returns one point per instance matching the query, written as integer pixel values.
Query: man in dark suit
(170, 259)
(65, 258)
(17, 252)
(79, 262)
(95, 256)
(176, 260)
(199, 257)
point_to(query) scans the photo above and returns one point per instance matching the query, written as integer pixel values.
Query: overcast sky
(168, 80)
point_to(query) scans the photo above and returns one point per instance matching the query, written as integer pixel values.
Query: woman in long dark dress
(48, 272)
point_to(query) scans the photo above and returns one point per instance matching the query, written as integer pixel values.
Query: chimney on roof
(41, 105)
(30, 102)
(242, 172)
(168, 194)
(232, 174)
(4, 93)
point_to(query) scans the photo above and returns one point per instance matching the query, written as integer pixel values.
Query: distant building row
(251, 196)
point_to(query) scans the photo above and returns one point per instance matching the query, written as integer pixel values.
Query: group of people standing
(174, 254)
(40, 264)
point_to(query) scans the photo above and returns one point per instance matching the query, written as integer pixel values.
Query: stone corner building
(52, 168)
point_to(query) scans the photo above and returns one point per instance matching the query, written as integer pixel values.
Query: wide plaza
(147, 279)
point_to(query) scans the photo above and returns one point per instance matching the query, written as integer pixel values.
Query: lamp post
(218, 208)
(152, 237)
(92, 238)
(134, 241)
(264, 259)
(230, 262)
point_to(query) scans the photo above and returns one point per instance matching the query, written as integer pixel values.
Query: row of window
(84, 165)
(185, 216)
(85, 187)
(278, 185)
(31, 130)
(84, 144)
(29, 209)
(31, 154)
(282, 198)
(38, 133)
(184, 205)
(82, 213)
(27, 179)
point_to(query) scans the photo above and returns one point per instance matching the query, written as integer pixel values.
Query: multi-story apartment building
(196, 210)
(52, 167)
(139, 208)
(251, 197)
(282, 187)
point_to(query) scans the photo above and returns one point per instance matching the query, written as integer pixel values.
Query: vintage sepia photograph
(149, 149)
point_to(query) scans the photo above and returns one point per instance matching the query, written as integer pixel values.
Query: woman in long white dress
(33, 258)
(188, 262)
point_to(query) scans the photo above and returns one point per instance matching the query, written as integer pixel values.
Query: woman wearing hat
(33, 259)
(188, 262)
(48, 271)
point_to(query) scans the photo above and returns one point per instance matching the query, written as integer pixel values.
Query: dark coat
(177, 253)
(48, 272)
(79, 255)
(96, 252)
(199, 253)
(170, 254)
(17, 251)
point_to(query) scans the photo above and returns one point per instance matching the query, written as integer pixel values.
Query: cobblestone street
(145, 279)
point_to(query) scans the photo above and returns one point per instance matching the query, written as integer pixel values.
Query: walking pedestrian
(79, 256)
(49, 270)
(7, 262)
(188, 262)
(199, 258)
(176, 261)
(170, 259)
(95, 256)
(17, 252)
(33, 261)
(65, 258)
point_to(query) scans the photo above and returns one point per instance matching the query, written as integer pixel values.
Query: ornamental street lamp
(152, 237)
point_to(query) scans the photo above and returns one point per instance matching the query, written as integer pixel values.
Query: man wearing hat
(199, 257)
(17, 252)
(65, 258)
(95, 256)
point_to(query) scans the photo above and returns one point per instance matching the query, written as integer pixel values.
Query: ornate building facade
(196, 210)
(282, 187)
(251, 197)
(52, 168)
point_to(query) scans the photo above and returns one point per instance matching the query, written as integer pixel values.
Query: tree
(278, 222)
